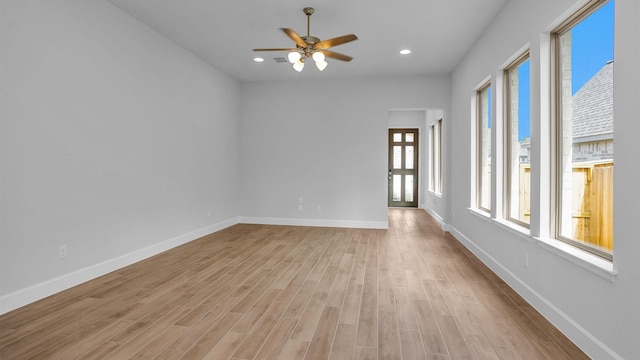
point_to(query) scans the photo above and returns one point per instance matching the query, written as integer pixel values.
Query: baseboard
(586, 341)
(437, 217)
(36, 292)
(315, 222)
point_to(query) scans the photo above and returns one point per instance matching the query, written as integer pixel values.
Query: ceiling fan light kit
(298, 65)
(312, 47)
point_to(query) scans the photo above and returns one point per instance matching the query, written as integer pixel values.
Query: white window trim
(439, 188)
(521, 56)
(475, 155)
(591, 262)
(554, 229)
(432, 159)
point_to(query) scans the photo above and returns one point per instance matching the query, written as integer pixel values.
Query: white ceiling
(439, 33)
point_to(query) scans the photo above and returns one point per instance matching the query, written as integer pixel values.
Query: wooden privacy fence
(592, 207)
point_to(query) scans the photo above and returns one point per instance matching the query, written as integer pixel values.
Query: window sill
(592, 263)
(523, 233)
(519, 230)
(480, 213)
(596, 265)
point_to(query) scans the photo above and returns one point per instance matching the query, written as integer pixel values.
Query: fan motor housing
(310, 39)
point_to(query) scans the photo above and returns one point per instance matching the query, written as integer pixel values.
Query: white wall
(595, 308)
(324, 141)
(113, 141)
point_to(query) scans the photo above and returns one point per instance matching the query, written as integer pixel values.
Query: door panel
(403, 167)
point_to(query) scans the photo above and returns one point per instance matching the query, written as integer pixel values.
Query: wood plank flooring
(278, 292)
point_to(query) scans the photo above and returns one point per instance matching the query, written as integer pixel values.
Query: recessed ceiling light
(405, 52)
(258, 59)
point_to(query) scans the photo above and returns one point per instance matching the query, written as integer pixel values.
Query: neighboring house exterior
(525, 151)
(592, 120)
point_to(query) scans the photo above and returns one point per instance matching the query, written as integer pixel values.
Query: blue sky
(592, 48)
(592, 45)
(523, 100)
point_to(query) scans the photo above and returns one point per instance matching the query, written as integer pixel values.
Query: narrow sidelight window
(440, 158)
(483, 162)
(517, 141)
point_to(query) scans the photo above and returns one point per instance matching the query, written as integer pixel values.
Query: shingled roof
(593, 105)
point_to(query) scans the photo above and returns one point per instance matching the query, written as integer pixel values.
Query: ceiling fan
(312, 47)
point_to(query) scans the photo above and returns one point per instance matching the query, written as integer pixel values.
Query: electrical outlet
(208, 212)
(318, 208)
(62, 252)
(526, 260)
(300, 200)
(300, 208)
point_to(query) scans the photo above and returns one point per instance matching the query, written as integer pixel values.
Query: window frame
(435, 157)
(440, 158)
(557, 124)
(479, 138)
(507, 111)
(432, 158)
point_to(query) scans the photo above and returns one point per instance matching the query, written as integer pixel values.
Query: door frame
(417, 166)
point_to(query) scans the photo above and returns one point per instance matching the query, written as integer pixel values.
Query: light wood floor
(269, 292)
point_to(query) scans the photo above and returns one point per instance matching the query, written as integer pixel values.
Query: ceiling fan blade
(325, 44)
(277, 49)
(335, 55)
(295, 37)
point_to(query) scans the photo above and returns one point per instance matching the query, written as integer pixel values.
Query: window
(432, 158)
(583, 125)
(435, 157)
(483, 161)
(517, 141)
(439, 165)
